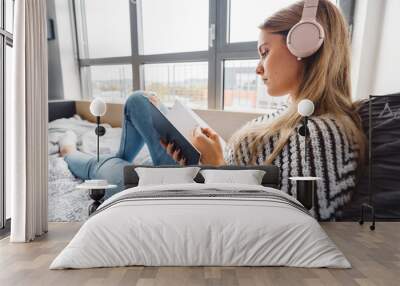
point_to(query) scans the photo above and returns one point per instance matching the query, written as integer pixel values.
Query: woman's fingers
(210, 133)
(182, 162)
(205, 130)
(198, 135)
(175, 154)
(203, 133)
(163, 143)
(170, 147)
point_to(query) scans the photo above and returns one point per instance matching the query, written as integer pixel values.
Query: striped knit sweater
(331, 157)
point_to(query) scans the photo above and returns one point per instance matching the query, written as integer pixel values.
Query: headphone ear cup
(305, 38)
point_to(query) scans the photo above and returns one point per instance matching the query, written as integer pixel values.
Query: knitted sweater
(331, 156)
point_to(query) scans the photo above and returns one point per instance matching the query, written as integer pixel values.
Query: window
(246, 16)
(105, 28)
(244, 90)
(9, 11)
(111, 82)
(181, 26)
(8, 82)
(201, 51)
(184, 81)
(6, 42)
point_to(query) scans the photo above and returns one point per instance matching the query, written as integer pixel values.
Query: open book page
(185, 120)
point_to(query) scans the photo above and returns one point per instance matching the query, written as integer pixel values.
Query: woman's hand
(174, 153)
(206, 140)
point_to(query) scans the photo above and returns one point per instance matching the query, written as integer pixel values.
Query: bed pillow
(162, 176)
(249, 177)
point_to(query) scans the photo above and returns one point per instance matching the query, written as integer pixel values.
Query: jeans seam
(123, 135)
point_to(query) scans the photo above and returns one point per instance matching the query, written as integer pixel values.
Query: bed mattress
(198, 225)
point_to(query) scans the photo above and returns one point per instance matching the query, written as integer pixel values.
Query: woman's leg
(110, 168)
(138, 129)
(84, 165)
(131, 140)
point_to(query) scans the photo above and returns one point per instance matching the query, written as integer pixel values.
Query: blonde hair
(325, 81)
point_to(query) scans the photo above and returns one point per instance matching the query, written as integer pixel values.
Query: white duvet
(200, 231)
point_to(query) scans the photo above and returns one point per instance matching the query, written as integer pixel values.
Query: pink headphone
(307, 36)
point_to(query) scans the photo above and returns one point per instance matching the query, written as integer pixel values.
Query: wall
(56, 89)
(387, 79)
(375, 48)
(63, 54)
(225, 123)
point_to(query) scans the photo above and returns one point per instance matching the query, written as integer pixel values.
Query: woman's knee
(80, 164)
(112, 170)
(136, 100)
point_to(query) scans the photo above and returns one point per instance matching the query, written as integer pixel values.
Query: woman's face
(278, 68)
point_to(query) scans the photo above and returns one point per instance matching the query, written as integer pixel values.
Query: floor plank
(374, 255)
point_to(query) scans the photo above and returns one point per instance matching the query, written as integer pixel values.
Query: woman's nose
(259, 69)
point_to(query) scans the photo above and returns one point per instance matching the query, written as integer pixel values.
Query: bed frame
(270, 179)
(61, 109)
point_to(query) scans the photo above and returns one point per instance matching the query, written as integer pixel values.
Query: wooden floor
(375, 257)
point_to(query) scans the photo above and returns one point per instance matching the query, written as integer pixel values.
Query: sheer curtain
(26, 117)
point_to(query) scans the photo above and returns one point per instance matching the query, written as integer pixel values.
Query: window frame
(6, 39)
(219, 49)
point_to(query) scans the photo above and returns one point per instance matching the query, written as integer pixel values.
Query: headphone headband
(309, 10)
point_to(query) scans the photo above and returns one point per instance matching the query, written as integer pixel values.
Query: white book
(186, 120)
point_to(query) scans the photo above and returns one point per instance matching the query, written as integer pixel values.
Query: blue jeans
(137, 130)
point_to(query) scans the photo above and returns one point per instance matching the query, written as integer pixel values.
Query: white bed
(199, 225)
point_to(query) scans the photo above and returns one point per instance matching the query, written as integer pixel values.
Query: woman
(336, 144)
